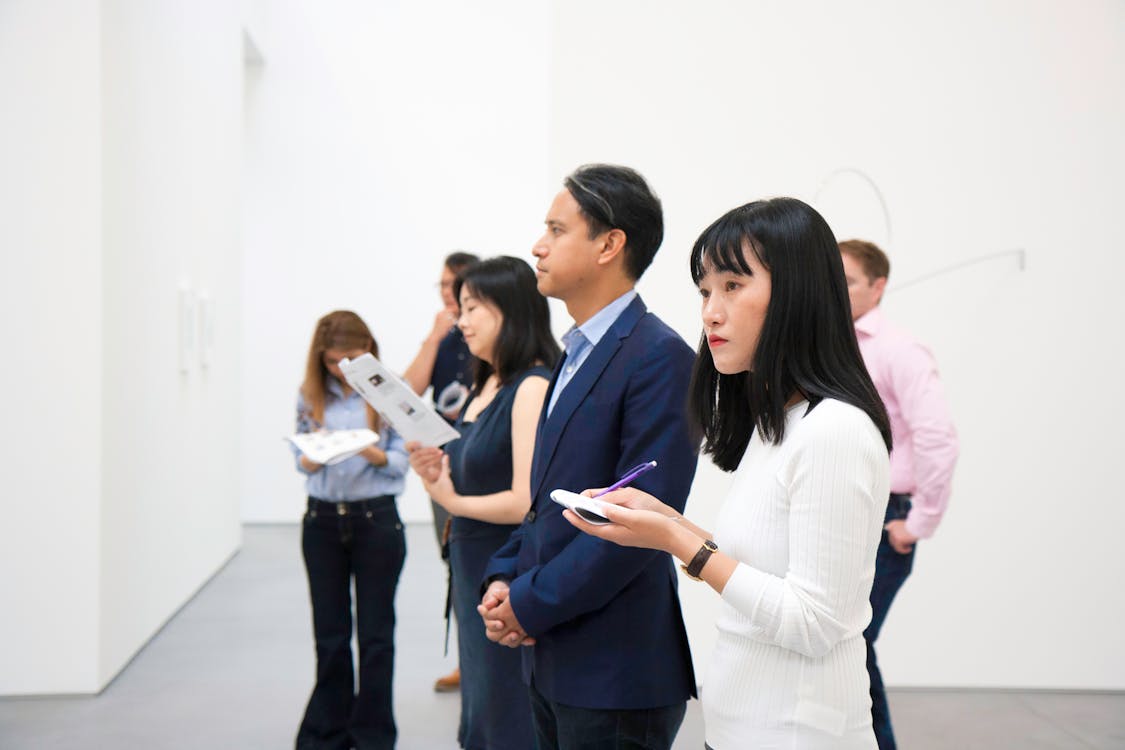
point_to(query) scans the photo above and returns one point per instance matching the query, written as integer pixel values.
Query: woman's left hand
(631, 527)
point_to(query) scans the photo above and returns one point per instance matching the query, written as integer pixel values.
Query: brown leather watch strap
(695, 567)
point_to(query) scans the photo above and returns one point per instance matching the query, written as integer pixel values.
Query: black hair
(458, 261)
(525, 336)
(807, 344)
(613, 197)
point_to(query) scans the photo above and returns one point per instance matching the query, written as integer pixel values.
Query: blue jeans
(363, 539)
(891, 571)
(559, 727)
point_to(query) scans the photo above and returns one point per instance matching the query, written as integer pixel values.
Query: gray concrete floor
(233, 669)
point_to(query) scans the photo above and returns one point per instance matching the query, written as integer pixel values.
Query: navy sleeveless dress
(495, 708)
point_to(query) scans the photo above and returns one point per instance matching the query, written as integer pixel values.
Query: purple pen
(633, 474)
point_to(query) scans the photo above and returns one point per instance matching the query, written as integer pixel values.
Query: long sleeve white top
(803, 519)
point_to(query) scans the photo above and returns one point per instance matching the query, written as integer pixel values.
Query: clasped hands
(500, 623)
(639, 520)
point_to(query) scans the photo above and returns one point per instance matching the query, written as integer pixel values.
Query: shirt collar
(595, 328)
(870, 323)
(333, 386)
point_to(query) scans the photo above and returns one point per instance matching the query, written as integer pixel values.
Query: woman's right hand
(630, 497)
(426, 461)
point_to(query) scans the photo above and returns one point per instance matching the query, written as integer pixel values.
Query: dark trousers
(364, 540)
(559, 727)
(891, 571)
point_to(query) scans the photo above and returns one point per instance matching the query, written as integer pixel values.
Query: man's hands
(443, 321)
(500, 623)
(901, 540)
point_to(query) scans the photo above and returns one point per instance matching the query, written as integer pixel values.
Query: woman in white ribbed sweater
(781, 395)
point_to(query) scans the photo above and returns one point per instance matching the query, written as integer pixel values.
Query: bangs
(722, 247)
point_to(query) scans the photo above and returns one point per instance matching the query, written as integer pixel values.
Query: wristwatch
(695, 567)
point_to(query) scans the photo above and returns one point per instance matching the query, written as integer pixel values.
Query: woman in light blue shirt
(351, 530)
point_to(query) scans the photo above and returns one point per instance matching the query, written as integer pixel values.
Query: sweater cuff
(744, 589)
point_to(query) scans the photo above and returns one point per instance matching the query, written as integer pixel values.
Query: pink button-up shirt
(925, 442)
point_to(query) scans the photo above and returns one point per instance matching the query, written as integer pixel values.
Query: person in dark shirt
(444, 365)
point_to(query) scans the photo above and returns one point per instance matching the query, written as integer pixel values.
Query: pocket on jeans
(383, 519)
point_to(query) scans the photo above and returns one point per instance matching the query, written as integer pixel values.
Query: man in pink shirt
(925, 446)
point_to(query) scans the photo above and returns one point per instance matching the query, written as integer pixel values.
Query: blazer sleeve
(588, 572)
(503, 562)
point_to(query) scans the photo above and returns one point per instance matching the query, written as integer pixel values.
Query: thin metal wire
(1019, 252)
(874, 188)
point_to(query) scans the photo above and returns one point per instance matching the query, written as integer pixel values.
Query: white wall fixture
(206, 333)
(186, 320)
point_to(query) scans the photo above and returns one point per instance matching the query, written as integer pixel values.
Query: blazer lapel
(551, 427)
(540, 458)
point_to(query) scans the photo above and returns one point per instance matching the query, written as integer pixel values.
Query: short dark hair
(875, 263)
(614, 197)
(807, 343)
(458, 261)
(525, 333)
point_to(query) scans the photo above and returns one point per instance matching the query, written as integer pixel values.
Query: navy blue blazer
(606, 619)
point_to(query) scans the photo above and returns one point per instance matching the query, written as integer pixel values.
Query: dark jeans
(559, 727)
(363, 540)
(891, 571)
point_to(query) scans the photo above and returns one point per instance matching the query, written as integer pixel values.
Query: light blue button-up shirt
(579, 341)
(355, 478)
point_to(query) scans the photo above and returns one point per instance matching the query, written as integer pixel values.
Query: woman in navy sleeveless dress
(483, 480)
(494, 700)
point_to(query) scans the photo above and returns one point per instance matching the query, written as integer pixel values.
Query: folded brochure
(331, 447)
(396, 402)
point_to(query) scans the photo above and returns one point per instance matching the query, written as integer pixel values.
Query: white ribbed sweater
(804, 520)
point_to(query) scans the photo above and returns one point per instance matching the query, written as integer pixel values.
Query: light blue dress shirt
(355, 478)
(579, 341)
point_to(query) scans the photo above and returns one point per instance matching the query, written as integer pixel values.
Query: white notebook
(587, 508)
(331, 447)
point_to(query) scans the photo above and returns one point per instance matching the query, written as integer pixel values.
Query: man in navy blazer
(606, 657)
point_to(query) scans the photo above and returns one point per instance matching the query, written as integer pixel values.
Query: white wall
(378, 141)
(121, 150)
(380, 136)
(989, 126)
(51, 334)
(172, 154)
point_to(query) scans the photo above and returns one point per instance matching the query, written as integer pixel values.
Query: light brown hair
(340, 329)
(874, 261)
